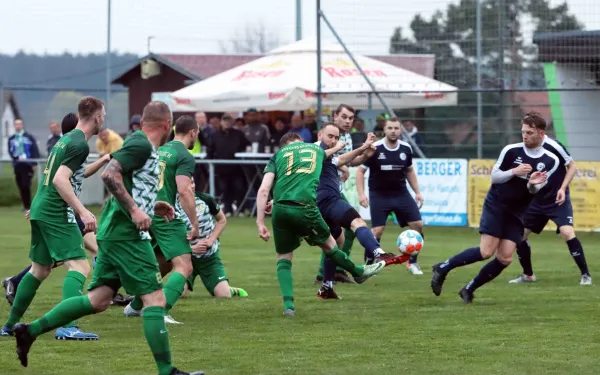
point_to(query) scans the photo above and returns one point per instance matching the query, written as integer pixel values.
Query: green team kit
(55, 236)
(125, 255)
(170, 237)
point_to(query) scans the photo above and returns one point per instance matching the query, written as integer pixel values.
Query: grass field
(393, 324)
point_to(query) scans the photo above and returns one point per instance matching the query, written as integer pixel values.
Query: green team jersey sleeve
(186, 164)
(213, 206)
(76, 152)
(271, 166)
(133, 154)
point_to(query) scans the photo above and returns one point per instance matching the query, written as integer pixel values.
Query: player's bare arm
(62, 183)
(334, 150)
(261, 204)
(411, 177)
(537, 181)
(562, 192)
(113, 179)
(188, 202)
(204, 244)
(355, 157)
(91, 169)
(368, 151)
(360, 187)
(345, 173)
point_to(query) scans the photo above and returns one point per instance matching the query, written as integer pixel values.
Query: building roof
(198, 67)
(569, 46)
(9, 99)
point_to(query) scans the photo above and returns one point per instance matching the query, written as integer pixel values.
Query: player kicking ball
(520, 172)
(293, 173)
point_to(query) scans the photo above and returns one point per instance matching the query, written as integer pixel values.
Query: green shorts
(170, 238)
(55, 242)
(130, 264)
(210, 270)
(291, 223)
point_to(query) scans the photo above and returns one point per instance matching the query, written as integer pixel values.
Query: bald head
(156, 113)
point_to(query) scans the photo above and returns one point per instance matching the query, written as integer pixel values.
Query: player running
(390, 168)
(125, 255)
(553, 203)
(294, 173)
(337, 212)
(521, 171)
(55, 236)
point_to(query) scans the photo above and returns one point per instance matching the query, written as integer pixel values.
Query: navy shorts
(403, 205)
(338, 214)
(499, 222)
(537, 216)
(80, 225)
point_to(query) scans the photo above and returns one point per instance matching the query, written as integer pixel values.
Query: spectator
(23, 146)
(225, 144)
(358, 134)
(310, 122)
(135, 123)
(380, 124)
(55, 134)
(280, 129)
(265, 119)
(239, 123)
(413, 133)
(108, 142)
(206, 130)
(298, 127)
(255, 131)
(215, 123)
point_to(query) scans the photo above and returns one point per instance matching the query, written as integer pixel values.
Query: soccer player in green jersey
(125, 255)
(55, 236)
(293, 173)
(170, 238)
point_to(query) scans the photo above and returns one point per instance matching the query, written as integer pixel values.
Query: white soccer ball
(410, 242)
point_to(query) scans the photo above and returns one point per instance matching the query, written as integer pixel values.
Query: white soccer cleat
(414, 268)
(130, 311)
(585, 280)
(524, 279)
(169, 320)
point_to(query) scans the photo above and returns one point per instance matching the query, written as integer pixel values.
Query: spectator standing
(298, 128)
(108, 142)
(413, 133)
(280, 129)
(23, 146)
(310, 122)
(206, 130)
(55, 134)
(358, 134)
(239, 123)
(380, 125)
(135, 123)
(256, 132)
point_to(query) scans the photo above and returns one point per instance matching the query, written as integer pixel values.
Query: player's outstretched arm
(411, 177)
(360, 186)
(261, 204)
(221, 223)
(188, 202)
(334, 150)
(571, 170)
(113, 179)
(62, 183)
(91, 169)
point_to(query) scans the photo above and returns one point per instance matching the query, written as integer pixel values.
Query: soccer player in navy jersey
(553, 203)
(521, 171)
(389, 170)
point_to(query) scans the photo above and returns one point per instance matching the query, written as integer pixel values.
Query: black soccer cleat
(121, 300)
(327, 293)
(437, 279)
(319, 280)
(466, 295)
(176, 371)
(9, 290)
(24, 342)
(343, 277)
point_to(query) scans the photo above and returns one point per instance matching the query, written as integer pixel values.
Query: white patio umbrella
(286, 79)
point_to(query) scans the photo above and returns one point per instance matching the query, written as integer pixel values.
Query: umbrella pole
(319, 97)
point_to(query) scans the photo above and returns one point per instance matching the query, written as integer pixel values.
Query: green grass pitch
(392, 324)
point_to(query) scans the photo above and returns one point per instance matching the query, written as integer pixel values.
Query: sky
(200, 26)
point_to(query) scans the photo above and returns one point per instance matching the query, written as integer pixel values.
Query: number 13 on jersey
(311, 159)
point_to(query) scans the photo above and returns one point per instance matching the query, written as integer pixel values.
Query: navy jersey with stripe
(388, 166)
(548, 194)
(329, 183)
(513, 194)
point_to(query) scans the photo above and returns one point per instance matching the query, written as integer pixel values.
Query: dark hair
(69, 122)
(227, 117)
(534, 120)
(89, 105)
(289, 138)
(326, 124)
(342, 106)
(184, 124)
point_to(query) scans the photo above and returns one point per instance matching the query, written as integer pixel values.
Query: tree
(253, 39)
(507, 57)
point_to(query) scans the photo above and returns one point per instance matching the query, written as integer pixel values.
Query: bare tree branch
(254, 39)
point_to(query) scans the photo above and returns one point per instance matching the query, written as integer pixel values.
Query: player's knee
(156, 298)
(100, 298)
(417, 225)
(289, 255)
(222, 290)
(505, 259)
(357, 223)
(487, 251)
(567, 232)
(39, 271)
(183, 265)
(81, 265)
(377, 232)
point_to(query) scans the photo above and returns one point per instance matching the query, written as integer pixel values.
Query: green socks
(66, 311)
(157, 337)
(341, 259)
(25, 293)
(174, 288)
(349, 237)
(286, 284)
(72, 287)
(137, 303)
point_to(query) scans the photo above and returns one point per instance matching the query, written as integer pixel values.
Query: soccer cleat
(176, 371)
(238, 292)
(129, 311)
(327, 293)
(585, 280)
(370, 271)
(6, 332)
(437, 279)
(523, 279)
(289, 312)
(121, 300)
(466, 295)
(390, 258)
(9, 290)
(75, 334)
(343, 277)
(319, 280)
(24, 342)
(169, 320)
(414, 268)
